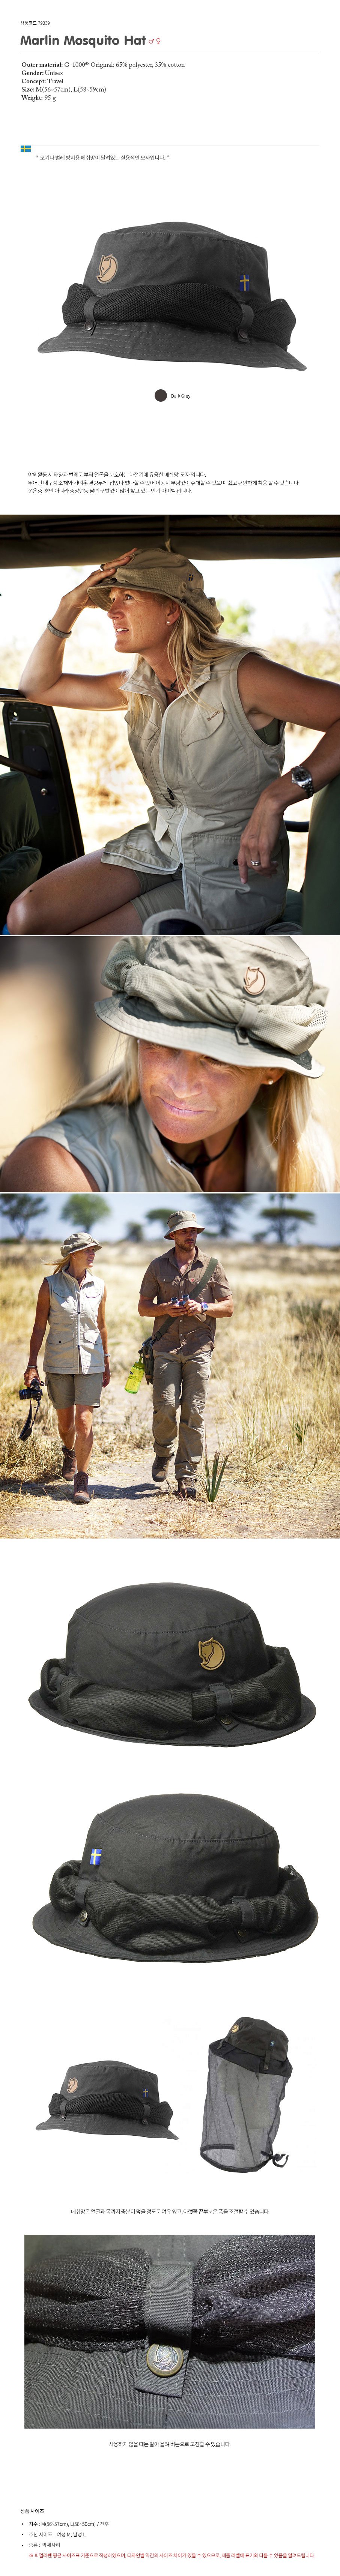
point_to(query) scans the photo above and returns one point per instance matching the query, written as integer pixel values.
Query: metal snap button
(83, 1918)
(164, 2359)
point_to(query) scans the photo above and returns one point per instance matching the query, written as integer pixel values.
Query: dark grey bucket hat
(177, 1878)
(172, 1663)
(177, 292)
(108, 2098)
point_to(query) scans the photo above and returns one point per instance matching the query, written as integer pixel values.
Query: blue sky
(122, 1211)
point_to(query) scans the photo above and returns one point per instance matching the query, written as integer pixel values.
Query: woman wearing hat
(214, 1088)
(76, 1366)
(205, 721)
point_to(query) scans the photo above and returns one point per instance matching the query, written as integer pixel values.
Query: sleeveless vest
(74, 1344)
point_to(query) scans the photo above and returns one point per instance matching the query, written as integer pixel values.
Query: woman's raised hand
(106, 568)
(73, 601)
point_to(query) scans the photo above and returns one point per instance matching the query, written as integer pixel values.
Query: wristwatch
(302, 778)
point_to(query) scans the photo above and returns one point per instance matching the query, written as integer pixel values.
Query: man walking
(177, 1290)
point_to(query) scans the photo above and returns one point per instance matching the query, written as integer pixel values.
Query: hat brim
(168, 346)
(215, 1737)
(85, 1940)
(91, 2126)
(138, 1020)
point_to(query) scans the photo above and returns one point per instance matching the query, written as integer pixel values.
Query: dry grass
(273, 1404)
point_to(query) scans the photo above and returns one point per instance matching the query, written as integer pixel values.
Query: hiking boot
(186, 1490)
(81, 1488)
(68, 1465)
(159, 1472)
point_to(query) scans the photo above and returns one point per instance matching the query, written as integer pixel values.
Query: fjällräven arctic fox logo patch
(254, 979)
(211, 1653)
(107, 268)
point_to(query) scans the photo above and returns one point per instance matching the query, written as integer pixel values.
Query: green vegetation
(213, 1475)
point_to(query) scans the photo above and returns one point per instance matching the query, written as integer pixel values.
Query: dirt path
(125, 1500)
(273, 1396)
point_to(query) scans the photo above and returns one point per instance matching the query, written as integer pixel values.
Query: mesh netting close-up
(251, 2297)
(241, 2114)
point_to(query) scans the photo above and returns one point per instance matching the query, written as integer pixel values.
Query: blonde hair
(66, 1265)
(192, 640)
(291, 1126)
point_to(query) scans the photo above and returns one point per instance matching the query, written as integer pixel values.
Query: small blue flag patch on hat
(244, 285)
(145, 2092)
(25, 147)
(96, 1856)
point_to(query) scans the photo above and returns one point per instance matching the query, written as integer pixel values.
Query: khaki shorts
(159, 894)
(74, 1390)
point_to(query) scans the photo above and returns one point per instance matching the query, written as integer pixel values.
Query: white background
(233, 127)
(166, 2013)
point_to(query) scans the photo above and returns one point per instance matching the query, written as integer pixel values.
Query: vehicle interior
(34, 745)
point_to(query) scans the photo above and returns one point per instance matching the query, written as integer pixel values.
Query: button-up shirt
(203, 761)
(163, 1279)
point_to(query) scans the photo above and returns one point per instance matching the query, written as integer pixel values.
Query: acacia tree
(77, 1210)
(223, 1214)
(22, 1208)
(281, 1219)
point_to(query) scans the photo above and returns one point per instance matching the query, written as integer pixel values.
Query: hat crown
(247, 2033)
(97, 2076)
(168, 575)
(80, 1242)
(147, 254)
(184, 1845)
(182, 1223)
(139, 1638)
(263, 989)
